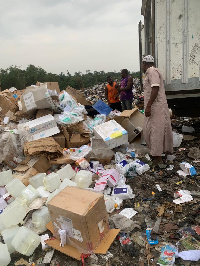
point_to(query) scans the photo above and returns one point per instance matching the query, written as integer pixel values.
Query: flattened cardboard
(43, 112)
(62, 160)
(60, 139)
(41, 164)
(77, 95)
(132, 121)
(77, 140)
(83, 214)
(25, 176)
(46, 146)
(7, 104)
(50, 86)
(73, 252)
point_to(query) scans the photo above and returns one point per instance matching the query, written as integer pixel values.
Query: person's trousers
(116, 106)
(126, 105)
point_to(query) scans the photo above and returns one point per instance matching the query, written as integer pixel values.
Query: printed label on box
(29, 101)
(77, 235)
(101, 227)
(66, 224)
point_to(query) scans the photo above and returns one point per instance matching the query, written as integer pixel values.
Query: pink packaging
(101, 183)
(113, 177)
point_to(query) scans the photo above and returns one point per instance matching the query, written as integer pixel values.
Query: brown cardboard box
(60, 139)
(77, 140)
(36, 98)
(82, 213)
(132, 121)
(7, 103)
(43, 112)
(75, 253)
(51, 86)
(77, 95)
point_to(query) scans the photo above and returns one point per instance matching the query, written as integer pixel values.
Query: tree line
(20, 79)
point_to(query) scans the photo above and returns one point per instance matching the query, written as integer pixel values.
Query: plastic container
(5, 177)
(66, 182)
(52, 195)
(37, 180)
(177, 139)
(40, 218)
(5, 258)
(3, 204)
(52, 182)
(15, 187)
(25, 241)
(2, 226)
(14, 213)
(66, 172)
(8, 235)
(110, 204)
(83, 179)
(43, 193)
(29, 194)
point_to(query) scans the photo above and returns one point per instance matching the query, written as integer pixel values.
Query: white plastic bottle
(52, 182)
(37, 180)
(5, 258)
(40, 218)
(8, 235)
(15, 187)
(83, 179)
(43, 193)
(14, 213)
(66, 182)
(5, 177)
(29, 194)
(25, 241)
(66, 172)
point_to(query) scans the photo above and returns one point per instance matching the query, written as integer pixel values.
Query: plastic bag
(67, 103)
(8, 146)
(80, 153)
(177, 139)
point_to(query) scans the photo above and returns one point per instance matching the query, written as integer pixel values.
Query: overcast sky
(74, 35)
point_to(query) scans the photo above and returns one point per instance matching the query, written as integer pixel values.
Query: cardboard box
(60, 139)
(42, 127)
(112, 134)
(82, 214)
(100, 151)
(75, 253)
(77, 95)
(77, 140)
(47, 146)
(7, 103)
(36, 98)
(132, 121)
(43, 112)
(54, 86)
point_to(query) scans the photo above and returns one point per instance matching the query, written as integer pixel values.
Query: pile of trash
(85, 188)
